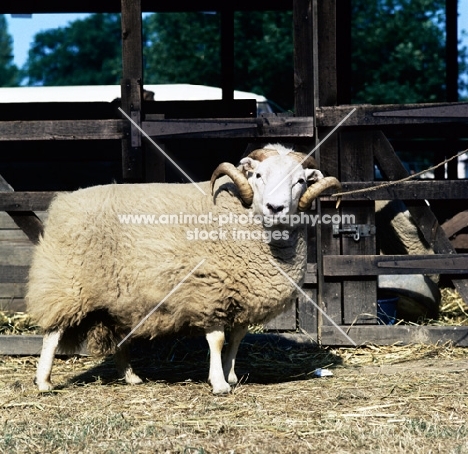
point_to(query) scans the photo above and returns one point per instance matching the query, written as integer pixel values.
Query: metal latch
(356, 231)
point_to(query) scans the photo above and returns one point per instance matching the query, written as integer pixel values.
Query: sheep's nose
(275, 209)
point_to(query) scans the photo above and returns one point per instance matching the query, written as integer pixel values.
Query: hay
(390, 399)
(17, 323)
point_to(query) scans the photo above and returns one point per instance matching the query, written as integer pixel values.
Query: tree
(399, 51)
(185, 48)
(182, 48)
(87, 52)
(9, 72)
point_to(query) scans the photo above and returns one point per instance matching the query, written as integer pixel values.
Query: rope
(391, 183)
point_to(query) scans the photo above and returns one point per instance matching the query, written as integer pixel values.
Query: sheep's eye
(301, 181)
(257, 175)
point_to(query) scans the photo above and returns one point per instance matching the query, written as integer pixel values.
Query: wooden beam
(14, 274)
(398, 114)
(26, 220)
(132, 89)
(14, 202)
(458, 222)
(399, 334)
(408, 190)
(270, 126)
(371, 265)
(61, 130)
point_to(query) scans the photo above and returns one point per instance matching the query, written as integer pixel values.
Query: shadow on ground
(262, 358)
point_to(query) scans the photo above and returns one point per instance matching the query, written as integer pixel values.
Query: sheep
(94, 276)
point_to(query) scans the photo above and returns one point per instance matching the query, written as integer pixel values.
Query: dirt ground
(379, 400)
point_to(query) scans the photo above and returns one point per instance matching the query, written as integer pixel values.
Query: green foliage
(185, 48)
(399, 51)
(9, 73)
(182, 48)
(87, 52)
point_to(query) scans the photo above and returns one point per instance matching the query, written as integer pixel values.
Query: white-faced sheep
(97, 275)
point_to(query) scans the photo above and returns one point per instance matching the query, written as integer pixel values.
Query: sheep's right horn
(239, 179)
(316, 189)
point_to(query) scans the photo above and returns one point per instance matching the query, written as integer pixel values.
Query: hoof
(219, 390)
(133, 379)
(43, 386)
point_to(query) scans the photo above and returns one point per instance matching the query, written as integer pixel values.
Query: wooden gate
(342, 270)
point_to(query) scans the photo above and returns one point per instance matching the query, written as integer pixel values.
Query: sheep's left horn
(316, 189)
(239, 179)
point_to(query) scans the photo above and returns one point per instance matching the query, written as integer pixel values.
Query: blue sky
(24, 29)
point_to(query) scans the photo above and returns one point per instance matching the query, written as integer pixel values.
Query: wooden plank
(408, 190)
(27, 221)
(398, 114)
(270, 126)
(12, 273)
(305, 57)
(393, 169)
(458, 222)
(61, 130)
(25, 201)
(399, 334)
(357, 163)
(460, 241)
(371, 265)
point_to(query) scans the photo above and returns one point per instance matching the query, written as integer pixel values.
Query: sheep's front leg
(237, 334)
(215, 338)
(44, 367)
(122, 362)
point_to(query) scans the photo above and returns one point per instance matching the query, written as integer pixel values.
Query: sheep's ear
(249, 164)
(313, 175)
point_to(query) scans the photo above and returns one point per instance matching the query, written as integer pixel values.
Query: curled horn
(239, 179)
(316, 189)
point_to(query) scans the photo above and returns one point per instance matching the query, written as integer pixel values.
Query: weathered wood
(393, 169)
(10, 273)
(29, 345)
(398, 114)
(61, 130)
(371, 265)
(408, 190)
(25, 201)
(458, 222)
(460, 241)
(357, 163)
(327, 58)
(132, 89)
(27, 221)
(305, 56)
(271, 127)
(400, 334)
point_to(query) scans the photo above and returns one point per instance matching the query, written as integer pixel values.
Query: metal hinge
(356, 231)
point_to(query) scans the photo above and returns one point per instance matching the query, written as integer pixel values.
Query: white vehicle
(107, 93)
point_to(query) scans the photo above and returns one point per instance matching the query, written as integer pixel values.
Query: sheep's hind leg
(122, 362)
(215, 338)
(44, 367)
(237, 334)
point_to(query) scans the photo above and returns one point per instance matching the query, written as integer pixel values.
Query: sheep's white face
(278, 182)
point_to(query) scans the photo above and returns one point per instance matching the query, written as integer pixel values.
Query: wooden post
(132, 88)
(227, 52)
